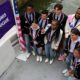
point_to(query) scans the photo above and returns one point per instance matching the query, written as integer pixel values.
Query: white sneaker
(33, 53)
(66, 74)
(51, 61)
(28, 55)
(40, 58)
(64, 71)
(37, 59)
(47, 60)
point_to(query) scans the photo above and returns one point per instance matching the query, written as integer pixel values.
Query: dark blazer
(77, 71)
(49, 33)
(62, 20)
(68, 43)
(46, 23)
(26, 23)
(38, 37)
(55, 39)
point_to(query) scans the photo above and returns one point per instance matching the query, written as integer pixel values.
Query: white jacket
(71, 19)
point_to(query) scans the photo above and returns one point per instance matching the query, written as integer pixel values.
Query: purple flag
(7, 20)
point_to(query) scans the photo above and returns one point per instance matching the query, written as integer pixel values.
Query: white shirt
(58, 17)
(73, 43)
(34, 34)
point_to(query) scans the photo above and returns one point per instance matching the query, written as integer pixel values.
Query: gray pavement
(32, 70)
(69, 6)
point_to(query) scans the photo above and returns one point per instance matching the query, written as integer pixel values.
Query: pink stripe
(23, 49)
(70, 17)
(20, 35)
(19, 29)
(22, 42)
(17, 18)
(18, 24)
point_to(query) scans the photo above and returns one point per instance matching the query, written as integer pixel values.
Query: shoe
(61, 58)
(28, 55)
(66, 74)
(47, 60)
(37, 59)
(64, 71)
(40, 58)
(33, 53)
(51, 61)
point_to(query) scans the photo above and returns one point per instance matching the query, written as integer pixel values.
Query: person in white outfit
(73, 21)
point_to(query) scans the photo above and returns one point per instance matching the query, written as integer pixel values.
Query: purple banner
(6, 18)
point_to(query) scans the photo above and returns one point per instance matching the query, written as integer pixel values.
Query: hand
(56, 48)
(70, 72)
(43, 30)
(35, 42)
(65, 54)
(26, 21)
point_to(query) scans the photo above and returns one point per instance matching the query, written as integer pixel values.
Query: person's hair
(77, 68)
(55, 20)
(78, 48)
(75, 31)
(44, 12)
(57, 30)
(78, 7)
(35, 21)
(30, 5)
(59, 6)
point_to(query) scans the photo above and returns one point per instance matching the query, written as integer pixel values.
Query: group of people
(53, 35)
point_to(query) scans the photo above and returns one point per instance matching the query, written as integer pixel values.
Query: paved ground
(69, 6)
(32, 70)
